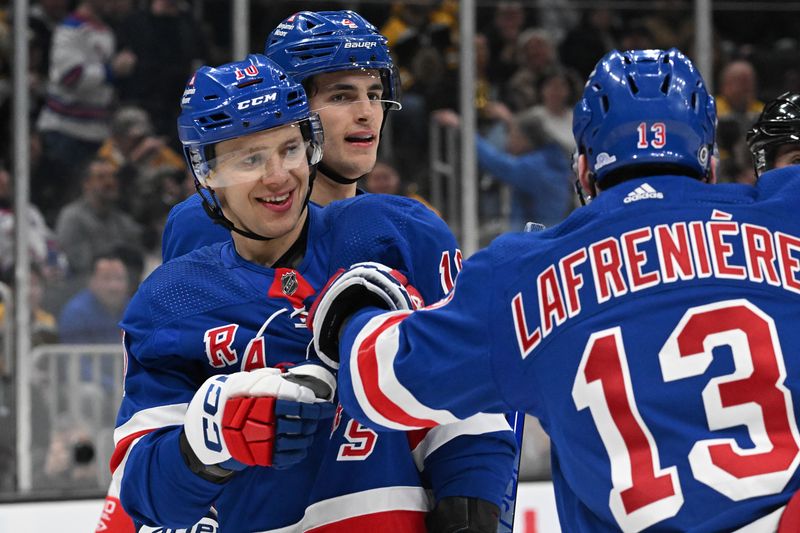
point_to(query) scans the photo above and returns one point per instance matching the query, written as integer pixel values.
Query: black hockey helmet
(779, 124)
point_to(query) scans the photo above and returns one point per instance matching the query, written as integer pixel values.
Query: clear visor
(259, 156)
(362, 87)
(376, 105)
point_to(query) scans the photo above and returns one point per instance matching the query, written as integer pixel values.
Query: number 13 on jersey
(643, 492)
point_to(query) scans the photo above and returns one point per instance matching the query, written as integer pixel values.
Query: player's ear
(584, 175)
(712, 171)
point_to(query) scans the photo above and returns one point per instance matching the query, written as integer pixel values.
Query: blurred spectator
(558, 16)
(43, 324)
(635, 36)
(117, 16)
(80, 93)
(485, 90)
(419, 20)
(135, 151)
(71, 462)
(94, 223)
(92, 315)
(508, 23)
(670, 27)
(533, 164)
(737, 165)
(737, 110)
(5, 82)
(45, 253)
(558, 90)
(384, 179)
(45, 16)
(421, 37)
(588, 41)
(737, 94)
(169, 45)
(537, 54)
(145, 167)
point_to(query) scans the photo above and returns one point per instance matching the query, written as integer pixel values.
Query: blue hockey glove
(362, 285)
(263, 417)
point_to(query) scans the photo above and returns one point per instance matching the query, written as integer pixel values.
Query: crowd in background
(106, 77)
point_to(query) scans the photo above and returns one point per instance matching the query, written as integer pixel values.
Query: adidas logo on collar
(643, 192)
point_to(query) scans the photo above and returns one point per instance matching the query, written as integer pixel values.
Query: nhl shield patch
(289, 283)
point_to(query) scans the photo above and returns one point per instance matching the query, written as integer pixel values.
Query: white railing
(493, 201)
(74, 392)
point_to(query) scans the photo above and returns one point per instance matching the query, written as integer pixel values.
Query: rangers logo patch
(289, 283)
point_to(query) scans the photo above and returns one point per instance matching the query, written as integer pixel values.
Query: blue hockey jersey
(188, 227)
(655, 335)
(210, 312)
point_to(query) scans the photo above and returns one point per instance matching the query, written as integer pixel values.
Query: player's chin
(362, 164)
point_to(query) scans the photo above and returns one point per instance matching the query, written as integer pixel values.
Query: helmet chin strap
(335, 176)
(213, 208)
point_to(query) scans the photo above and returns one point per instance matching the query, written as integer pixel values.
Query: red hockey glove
(262, 417)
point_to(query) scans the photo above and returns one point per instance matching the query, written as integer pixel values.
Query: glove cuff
(316, 378)
(458, 514)
(213, 473)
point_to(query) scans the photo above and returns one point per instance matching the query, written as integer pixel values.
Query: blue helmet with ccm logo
(239, 98)
(309, 43)
(645, 107)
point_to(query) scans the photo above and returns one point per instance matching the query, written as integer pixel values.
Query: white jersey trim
(765, 524)
(438, 436)
(358, 504)
(153, 418)
(385, 352)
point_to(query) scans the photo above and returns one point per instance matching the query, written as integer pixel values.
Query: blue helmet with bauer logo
(309, 43)
(645, 108)
(238, 99)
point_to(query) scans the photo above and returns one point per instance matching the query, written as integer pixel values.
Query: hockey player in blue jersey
(236, 310)
(350, 65)
(653, 332)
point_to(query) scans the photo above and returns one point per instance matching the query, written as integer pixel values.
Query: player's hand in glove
(457, 514)
(362, 285)
(263, 417)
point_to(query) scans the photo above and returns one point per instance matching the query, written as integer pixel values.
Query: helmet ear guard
(312, 132)
(198, 164)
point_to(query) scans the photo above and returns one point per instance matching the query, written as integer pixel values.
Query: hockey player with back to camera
(238, 308)
(652, 332)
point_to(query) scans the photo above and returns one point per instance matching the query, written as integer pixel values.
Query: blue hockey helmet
(645, 107)
(238, 99)
(309, 43)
